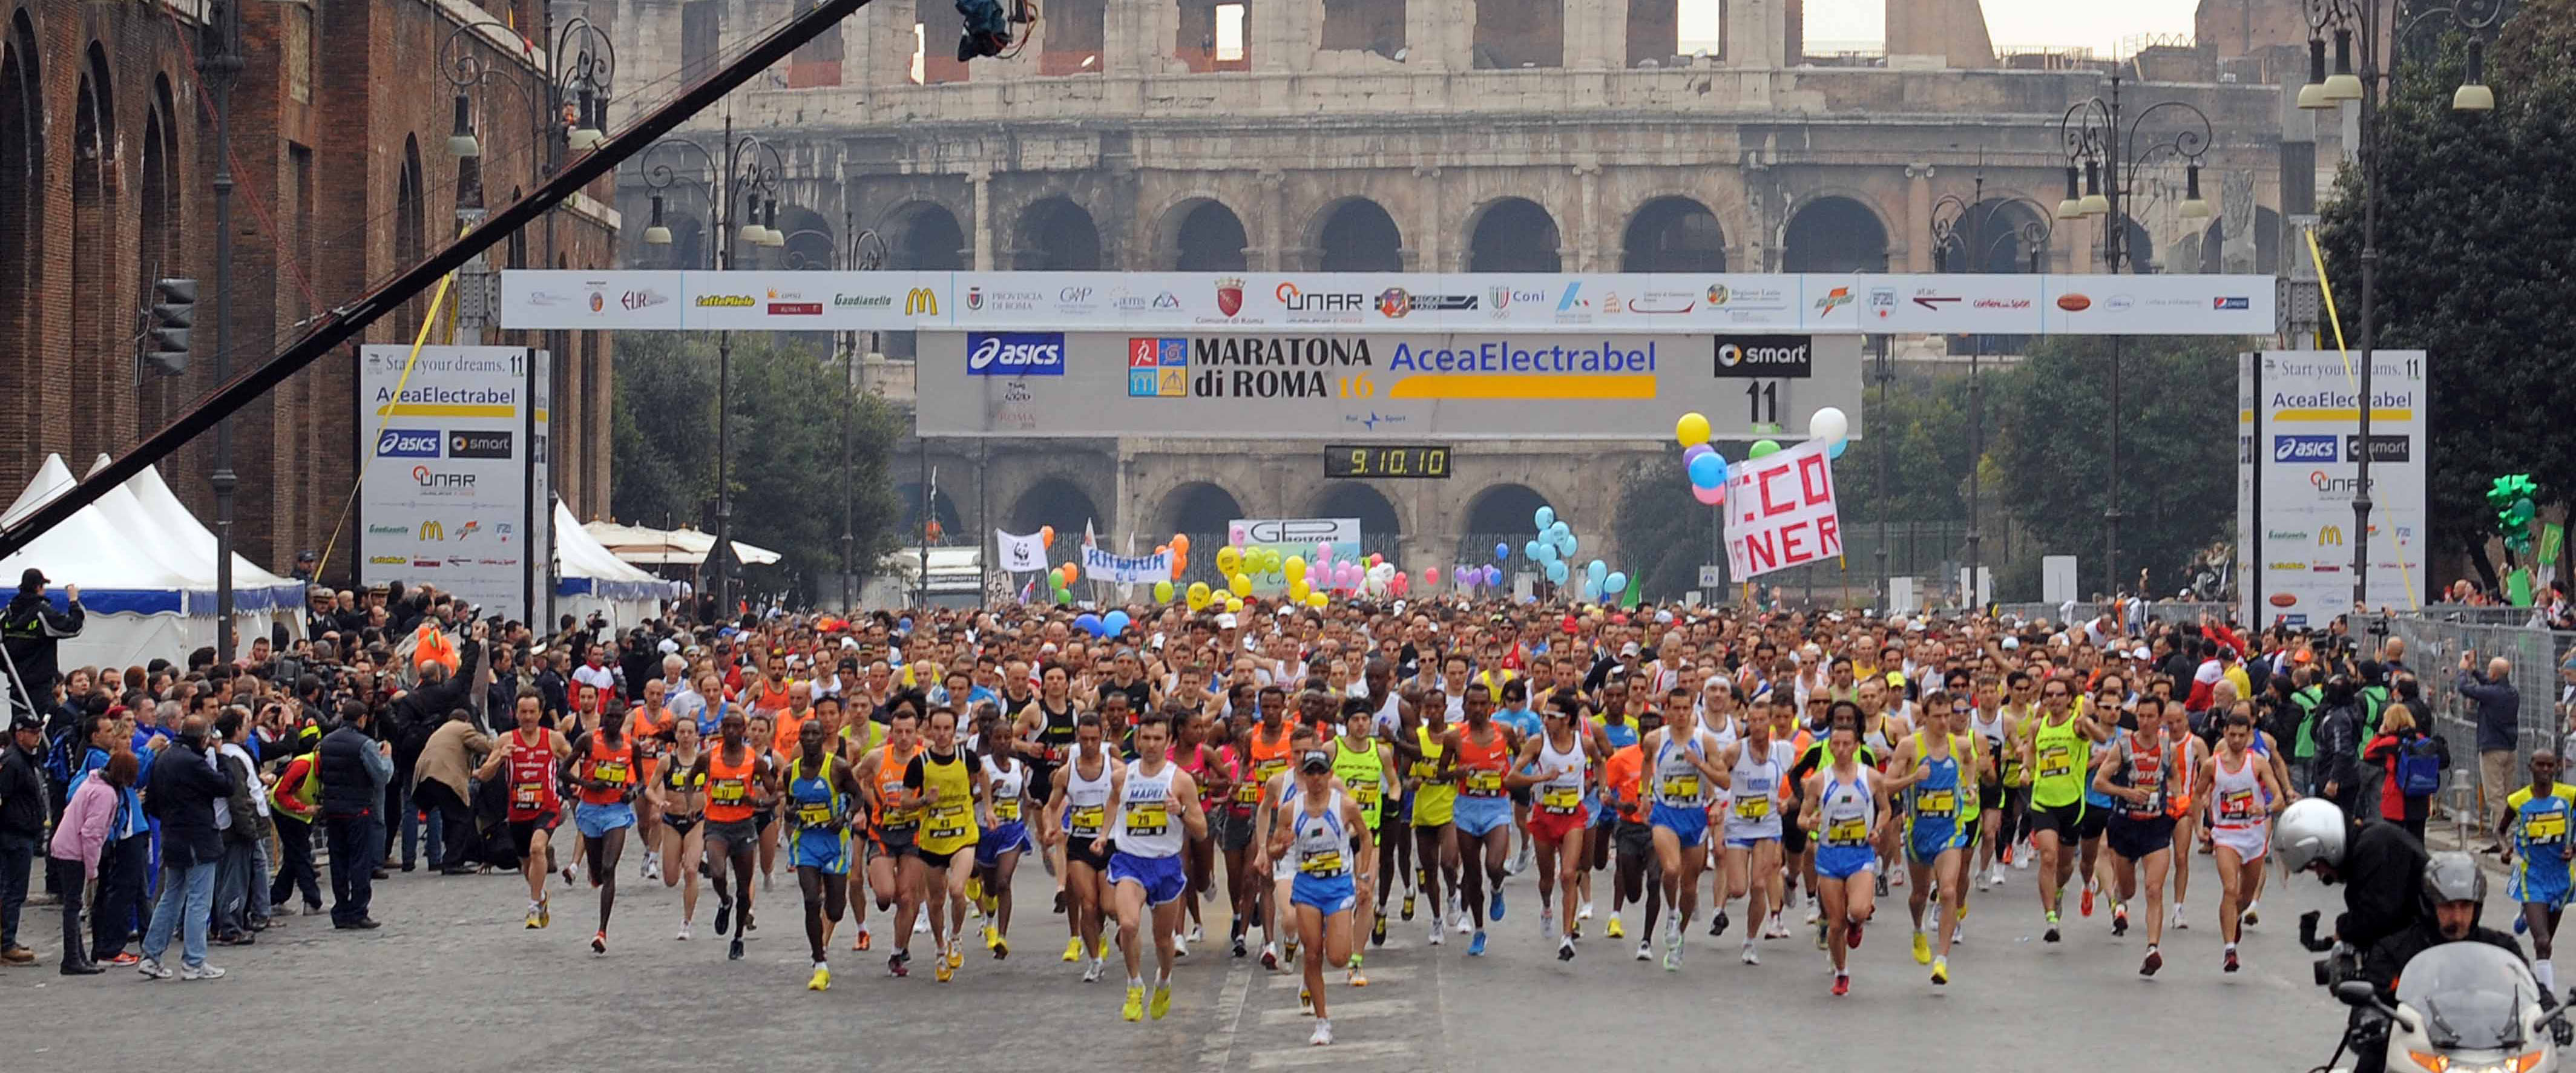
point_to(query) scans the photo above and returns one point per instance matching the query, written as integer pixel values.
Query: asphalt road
(455, 982)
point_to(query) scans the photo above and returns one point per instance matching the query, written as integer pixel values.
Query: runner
(1430, 772)
(1516, 715)
(1613, 728)
(529, 753)
(1321, 826)
(821, 798)
(1145, 871)
(1077, 815)
(2057, 753)
(1637, 878)
(680, 799)
(603, 765)
(1684, 767)
(1933, 770)
(738, 785)
(1556, 766)
(2141, 772)
(1267, 747)
(651, 725)
(997, 855)
(759, 735)
(1206, 766)
(954, 790)
(1367, 766)
(2537, 849)
(1997, 803)
(1757, 767)
(1484, 751)
(1850, 808)
(2238, 790)
(894, 854)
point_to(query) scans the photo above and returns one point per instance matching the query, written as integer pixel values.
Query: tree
(789, 407)
(2475, 221)
(2177, 484)
(1664, 534)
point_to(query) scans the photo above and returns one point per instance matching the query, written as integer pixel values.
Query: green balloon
(1765, 447)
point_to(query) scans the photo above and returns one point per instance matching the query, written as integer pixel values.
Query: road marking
(1229, 1004)
(1346, 1011)
(1388, 975)
(1360, 1051)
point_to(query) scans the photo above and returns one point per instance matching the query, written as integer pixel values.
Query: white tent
(187, 543)
(139, 607)
(645, 546)
(590, 579)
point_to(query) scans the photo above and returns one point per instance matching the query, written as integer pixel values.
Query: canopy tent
(589, 578)
(685, 546)
(186, 543)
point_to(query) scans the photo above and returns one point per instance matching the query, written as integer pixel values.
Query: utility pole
(220, 67)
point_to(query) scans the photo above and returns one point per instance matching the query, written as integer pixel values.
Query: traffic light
(987, 31)
(174, 309)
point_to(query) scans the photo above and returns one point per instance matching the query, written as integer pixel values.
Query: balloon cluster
(2512, 498)
(1708, 469)
(1554, 548)
(1109, 625)
(1060, 582)
(1179, 549)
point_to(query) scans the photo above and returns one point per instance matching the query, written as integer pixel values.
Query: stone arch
(1513, 34)
(1055, 234)
(813, 243)
(2267, 243)
(1833, 233)
(952, 529)
(411, 228)
(1199, 508)
(924, 234)
(1356, 234)
(22, 207)
(1513, 234)
(98, 326)
(1201, 234)
(1381, 521)
(1055, 500)
(1502, 511)
(1673, 233)
(2138, 248)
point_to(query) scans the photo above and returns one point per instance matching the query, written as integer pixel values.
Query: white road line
(1346, 1011)
(1334, 977)
(1230, 1004)
(1359, 1051)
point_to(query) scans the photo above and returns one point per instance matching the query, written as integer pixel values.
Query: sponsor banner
(2297, 480)
(447, 473)
(1020, 554)
(1292, 536)
(1779, 512)
(1099, 564)
(1348, 387)
(755, 299)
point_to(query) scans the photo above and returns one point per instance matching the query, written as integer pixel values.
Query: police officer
(2380, 865)
(2455, 887)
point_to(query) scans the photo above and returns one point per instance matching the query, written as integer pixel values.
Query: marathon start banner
(1780, 511)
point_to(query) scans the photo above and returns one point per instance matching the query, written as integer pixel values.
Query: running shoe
(1851, 935)
(1749, 957)
(822, 980)
(1717, 924)
(685, 931)
(1240, 950)
(1565, 949)
(1162, 1001)
(1922, 949)
(1814, 912)
(1073, 949)
(1323, 1036)
(1001, 946)
(1776, 929)
(1476, 946)
(1882, 884)
(1546, 922)
(599, 942)
(863, 940)
(1408, 905)
(2119, 921)
(724, 914)
(2004, 856)
(1824, 935)
(956, 953)
(545, 912)
(2181, 921)
(1270, 956)
(1941, 970)
(1458, 921)
(152, 969)
(2050, 935)
(1197, 934)
(1134, 1010)
(921, 924)
(200, 972)
(895, 966)
(1091, 971)
(1377, 931)
(991, 936)
(1357, 978)
(734, 952)
(1616, 930)
(126, 960)
(940, 971)
(2252, 914)
(1436, 932)
(1305, 997)
(1842, 984)
(1496, 909)
(2084, 905)
(532, 917)
(975, 889)
(2231, 960)
(2155, 960)
(1584, 913)
(1645, 950)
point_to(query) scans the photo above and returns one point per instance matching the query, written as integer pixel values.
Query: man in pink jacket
(72, 858)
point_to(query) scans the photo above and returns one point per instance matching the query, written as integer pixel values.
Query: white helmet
(2310, 830)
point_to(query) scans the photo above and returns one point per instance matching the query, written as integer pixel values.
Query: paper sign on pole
(1020, 554)
(1100, 564)
(1780, 511)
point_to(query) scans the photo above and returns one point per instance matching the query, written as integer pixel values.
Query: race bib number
(1681, 786)
(528, 795)
(1326, 863)
(948, 821)
(814, 815)
(1936, 802)
(1847, 832)
(2236, 805)
(2056, 761)
(1006, 809)
(1756, 807)
(1247, 793)
(1485, 783)
(1367, 794)
(1088, 819)
(1562, 800)
(609, 771)
(1148, 818)
(2544, 827)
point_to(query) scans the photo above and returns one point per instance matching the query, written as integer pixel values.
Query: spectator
(241, 887)
(125, 860)
(80, 840)
(355, 768)
(2498, 719)
(294, 803)
(444, 772)
(22, 826)
(182, 795)
(32, 631)
(2402, 750)
(408, 725)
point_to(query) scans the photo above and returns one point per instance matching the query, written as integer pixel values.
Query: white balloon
(1829, 425)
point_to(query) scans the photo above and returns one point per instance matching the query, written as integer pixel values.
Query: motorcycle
(2461, 1008)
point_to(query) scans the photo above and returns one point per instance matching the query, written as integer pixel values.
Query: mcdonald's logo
(920, 301)
(2330, 536)
(432, 531)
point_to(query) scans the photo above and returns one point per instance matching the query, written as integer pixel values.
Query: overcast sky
(2011, 23)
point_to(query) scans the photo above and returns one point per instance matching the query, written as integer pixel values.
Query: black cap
(32, 580)
(26, 721)
(1316, 760)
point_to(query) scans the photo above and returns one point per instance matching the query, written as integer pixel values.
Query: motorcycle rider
(2456, 887)
(2380, 865)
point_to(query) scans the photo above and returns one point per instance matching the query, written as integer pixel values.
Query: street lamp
(748, 170)
(2104, 143)
(1970, 227)
(866, 252)
(579, 70)
(2420, 39)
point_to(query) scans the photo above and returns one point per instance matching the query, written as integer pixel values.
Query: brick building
(340, 124)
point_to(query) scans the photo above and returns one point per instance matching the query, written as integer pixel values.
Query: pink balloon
(1323, 551)
(1710, 496)
(1430, 575)
(1235, 535)
(1400, 583)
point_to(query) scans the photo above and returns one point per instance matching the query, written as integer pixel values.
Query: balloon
(1615, 584)
(1694, 451)
(1493, 575)
(1180, 565)
(1181, 543)
(1234, 535)
(1063, 596)
(1088, 623)
(1162, 592)
(1198, 591)
(1762, 448)
(1546, 516)
(1228, 560)
(1234, 607)
(1346, 574)
(1836, 451)
(1559, 530)
(1502, 551)
(1046, 535)
(1692, 428)
(1269, 560)
(1430, 575)
(1295, 568)
(1829, 425)
(1297, 591)
(1709, 496)
(1596, 570)
(1708, 471)
(1400, 583)
(1567, 544)
(1239, 584)
(1547, 553)
(1115, 622)
(1556, 572)
(1316, 600)
(1323, 551)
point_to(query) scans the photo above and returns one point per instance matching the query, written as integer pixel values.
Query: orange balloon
(1046, 534)
(1180, 562)
(1072, 573)
(1181, 543)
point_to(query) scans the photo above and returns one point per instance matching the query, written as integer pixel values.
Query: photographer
(2455, 886)
(2379, 864)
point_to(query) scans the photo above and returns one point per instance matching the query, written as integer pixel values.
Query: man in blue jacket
(182, 796)
(2499, 720)
(355, 768)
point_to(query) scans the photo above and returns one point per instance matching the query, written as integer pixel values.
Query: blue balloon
(1493, 575)
(1556, 572)
(1088, 623)
(1530, 549)
(1115, 622)
(1567, 544)
(1708, 471)
(1559, 531)
(1836, 451)
(1547, 554)
(1545, 517)
(1502, 551)
(1615, 584)
(1596, 570)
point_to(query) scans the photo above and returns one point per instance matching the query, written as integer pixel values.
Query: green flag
(2552, 535)
(2517, 586)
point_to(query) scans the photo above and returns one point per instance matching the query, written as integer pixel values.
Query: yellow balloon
(1240, 584)
(1228, 560)
(1198, 598)
(1316, 600)
(1162, 592)
(1199, 591)
(1234, 607)
(1691, 429)
(1297, 591)
(1296, 568)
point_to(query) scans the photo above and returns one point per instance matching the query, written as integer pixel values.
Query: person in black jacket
(2338, 770)
(355, 768)
(408, 724)
(22, 827)
(182, 794)
(2456, 887)
(32, 631)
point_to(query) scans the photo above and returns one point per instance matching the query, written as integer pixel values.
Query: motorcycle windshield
(2471, 996)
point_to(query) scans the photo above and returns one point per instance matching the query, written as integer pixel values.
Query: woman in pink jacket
(72, 859)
